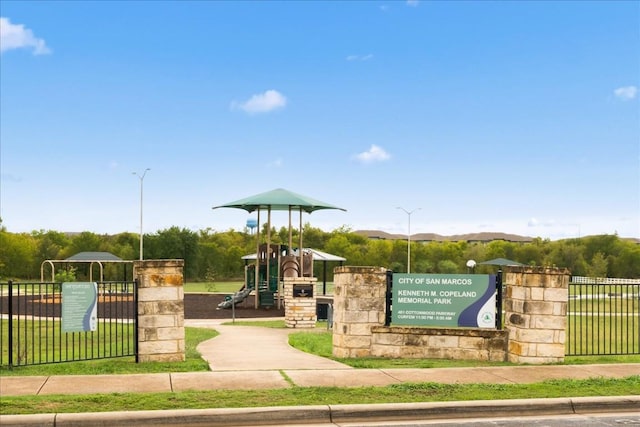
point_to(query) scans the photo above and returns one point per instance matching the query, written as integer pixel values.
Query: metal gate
(31, 328)
(603, 316)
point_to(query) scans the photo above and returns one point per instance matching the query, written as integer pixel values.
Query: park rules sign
(79, 306)
(444, 300)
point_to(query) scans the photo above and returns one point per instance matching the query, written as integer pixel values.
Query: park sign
(79, 306)
(444, 300)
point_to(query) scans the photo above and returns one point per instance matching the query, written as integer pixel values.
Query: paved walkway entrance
(250, 348)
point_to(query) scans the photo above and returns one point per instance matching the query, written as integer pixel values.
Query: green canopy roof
(280, 200)
(501, 262)
(94, 256)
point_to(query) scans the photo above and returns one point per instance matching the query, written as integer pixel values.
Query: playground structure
(91, 259)
(278, 200)
(274, 262)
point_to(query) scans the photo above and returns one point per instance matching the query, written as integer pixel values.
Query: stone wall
(535, 307)
(436, 343)
(160, 310)
(358, 305)
(300, 310)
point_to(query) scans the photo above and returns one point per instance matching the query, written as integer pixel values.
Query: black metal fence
(603, 317)
(31, 330)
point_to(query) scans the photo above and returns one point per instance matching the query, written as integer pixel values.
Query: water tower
(252, 223)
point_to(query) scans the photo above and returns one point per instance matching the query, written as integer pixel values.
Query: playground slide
(236, 298)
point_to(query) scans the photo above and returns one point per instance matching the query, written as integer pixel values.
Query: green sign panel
(446, 300)
(79, 306)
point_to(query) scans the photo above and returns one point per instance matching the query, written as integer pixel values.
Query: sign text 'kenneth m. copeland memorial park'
(444, 300)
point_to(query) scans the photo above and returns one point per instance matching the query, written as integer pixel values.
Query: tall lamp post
(408, 236)
(141, 177)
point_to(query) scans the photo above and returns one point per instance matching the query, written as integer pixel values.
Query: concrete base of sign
(445, 343)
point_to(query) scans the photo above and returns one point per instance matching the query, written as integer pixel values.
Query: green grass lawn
(214, 287)
(124, 365)
(295, 396)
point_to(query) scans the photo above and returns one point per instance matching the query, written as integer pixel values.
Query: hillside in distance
(484, 237)
(433, 237)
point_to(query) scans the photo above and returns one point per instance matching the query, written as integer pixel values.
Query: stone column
(358, 305)
(535, 309)
(160, 310)
(300, 302)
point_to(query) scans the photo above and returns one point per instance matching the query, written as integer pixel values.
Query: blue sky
(517, 117)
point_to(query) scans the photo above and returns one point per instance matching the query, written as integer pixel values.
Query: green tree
(627, 263)
(447, 266)
(84, 242)
(50, 244)
(598, 266)
(567, 255)
(501, 249)
(314, 237)
(17, 256)
(531, 253)
(175, 243)
(379, 253)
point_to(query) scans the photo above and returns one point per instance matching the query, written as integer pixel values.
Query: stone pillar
(160, 310)
(300, 302)
(358, 305)
(535, 309)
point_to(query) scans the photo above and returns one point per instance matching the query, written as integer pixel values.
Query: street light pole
(141, 177)
(408, 236)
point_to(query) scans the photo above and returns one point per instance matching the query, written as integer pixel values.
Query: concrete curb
(332, 414)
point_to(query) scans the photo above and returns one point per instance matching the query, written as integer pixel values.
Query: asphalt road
(599, 420)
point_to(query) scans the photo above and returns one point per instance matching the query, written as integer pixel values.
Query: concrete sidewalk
(283, 378)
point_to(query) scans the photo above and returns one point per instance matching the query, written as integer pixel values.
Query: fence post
(136, 316)
(499, 300)
(160, 310)
(10, 324)
(536, 313)
(388, 298)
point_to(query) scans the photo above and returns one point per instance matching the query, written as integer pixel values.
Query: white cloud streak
(534, 222)
(372, 155)
(261, 103)
(17, 36)
(626, 93)
(413, 3)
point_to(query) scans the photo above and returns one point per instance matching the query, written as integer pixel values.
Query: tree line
(211, 255)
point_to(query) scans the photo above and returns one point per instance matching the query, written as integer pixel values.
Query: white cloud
(261, 103)
(626, 93)
(413, 3)
(16, 36)
(374, 154)
(534, 222)
(360, 57)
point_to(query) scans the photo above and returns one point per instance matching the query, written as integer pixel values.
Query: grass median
(397, 393)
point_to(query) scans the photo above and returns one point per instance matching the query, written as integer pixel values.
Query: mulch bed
(196, 306)
(205, 306)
